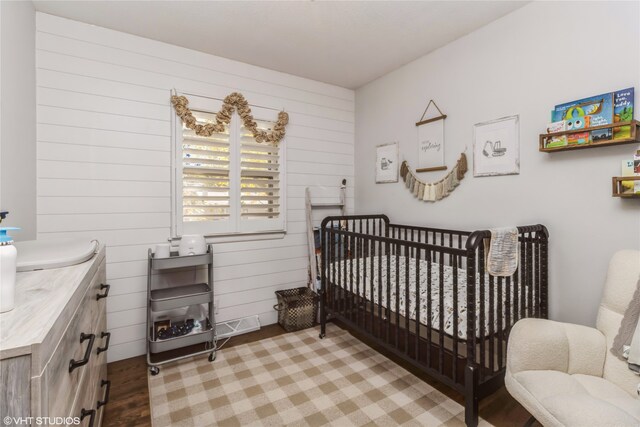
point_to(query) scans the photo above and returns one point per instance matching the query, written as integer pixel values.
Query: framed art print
(431, 146)
(387, 163)
(496, 147)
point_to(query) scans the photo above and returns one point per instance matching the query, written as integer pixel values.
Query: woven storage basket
(297, 308)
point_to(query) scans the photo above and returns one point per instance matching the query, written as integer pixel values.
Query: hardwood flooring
(129, 401)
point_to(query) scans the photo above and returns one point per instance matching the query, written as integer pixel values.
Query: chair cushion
(578, 400)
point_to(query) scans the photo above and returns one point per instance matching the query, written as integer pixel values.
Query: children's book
(599, 135)
(579, 138)
(623, 112)
(599, 109)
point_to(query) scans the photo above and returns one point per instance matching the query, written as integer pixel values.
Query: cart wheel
(154, 370)
(212, 356)
(322, 336)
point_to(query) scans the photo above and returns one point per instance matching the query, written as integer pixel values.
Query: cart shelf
(180, 296)
(158, 346)
(176, 261)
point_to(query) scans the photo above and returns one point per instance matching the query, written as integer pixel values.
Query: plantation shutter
(227, 183)
(259, 176)
(205, 174)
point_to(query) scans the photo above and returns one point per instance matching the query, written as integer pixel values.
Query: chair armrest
(540, 344)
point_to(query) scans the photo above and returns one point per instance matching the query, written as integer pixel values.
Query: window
(227, 183)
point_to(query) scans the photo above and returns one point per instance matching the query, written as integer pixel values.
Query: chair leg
(471, 395)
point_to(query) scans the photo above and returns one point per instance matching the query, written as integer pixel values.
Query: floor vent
(231, 328)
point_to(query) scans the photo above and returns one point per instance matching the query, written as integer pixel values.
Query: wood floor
(129, 399)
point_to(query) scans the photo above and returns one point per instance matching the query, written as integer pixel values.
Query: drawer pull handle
(106, 345)
(106, 292)
(106, 393)
(73, 364)
(91, 413)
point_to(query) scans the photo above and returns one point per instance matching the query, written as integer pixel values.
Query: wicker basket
(297, 308)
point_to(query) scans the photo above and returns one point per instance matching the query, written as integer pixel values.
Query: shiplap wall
(103, 162)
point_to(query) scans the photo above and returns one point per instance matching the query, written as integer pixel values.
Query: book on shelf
(623, 112)
(598, 109)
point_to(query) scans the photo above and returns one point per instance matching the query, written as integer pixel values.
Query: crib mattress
(426, 316)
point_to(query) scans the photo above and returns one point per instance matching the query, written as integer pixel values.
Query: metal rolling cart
(173, 297)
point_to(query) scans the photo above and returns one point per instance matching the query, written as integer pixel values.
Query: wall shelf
(633, 139)
(616, 184)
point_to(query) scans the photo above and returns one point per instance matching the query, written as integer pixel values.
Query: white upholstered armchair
(565, 374)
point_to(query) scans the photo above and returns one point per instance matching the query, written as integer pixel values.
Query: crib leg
(323, 317)
(471, 395)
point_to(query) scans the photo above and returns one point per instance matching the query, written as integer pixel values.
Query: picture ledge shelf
(616, 183)
(633, 139)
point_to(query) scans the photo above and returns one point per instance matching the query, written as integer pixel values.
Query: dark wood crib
(372, 273)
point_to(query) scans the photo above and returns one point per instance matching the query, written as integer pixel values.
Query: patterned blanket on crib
(358, 279)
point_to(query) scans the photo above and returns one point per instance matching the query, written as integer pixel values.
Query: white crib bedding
(425, 315)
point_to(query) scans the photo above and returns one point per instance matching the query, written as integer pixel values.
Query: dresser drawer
(92, 392)
(81, 338)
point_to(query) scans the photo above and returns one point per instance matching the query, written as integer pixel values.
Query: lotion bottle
(8, 256)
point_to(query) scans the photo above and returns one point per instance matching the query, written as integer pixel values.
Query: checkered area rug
(296, 379)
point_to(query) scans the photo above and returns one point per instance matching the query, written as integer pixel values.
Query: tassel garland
(432, 192)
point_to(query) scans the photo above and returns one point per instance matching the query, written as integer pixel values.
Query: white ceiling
(343, 43)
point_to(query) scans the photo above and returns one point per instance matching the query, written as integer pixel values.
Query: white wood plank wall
(103, 164)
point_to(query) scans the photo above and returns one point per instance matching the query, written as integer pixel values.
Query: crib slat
(516, 294)
(358, 255)
(429, 257)
(397, 304)
(407, 255)
(492, 319)
(508, 306)
(380, 286)
(472, 323)
(499, 319)
(441, 313)
(543, 278)
(537, 274)
(374, 282)
(523, 278)
(332, 252)
(482, 316)
(529, 275)
(351, 293)
(388, 299)
(456, 313)
(418, 302)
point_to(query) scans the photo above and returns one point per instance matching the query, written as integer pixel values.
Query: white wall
(104, 161)
(525, 63)
(18, 117)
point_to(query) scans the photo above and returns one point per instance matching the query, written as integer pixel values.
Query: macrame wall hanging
(434, 191)
(234, 101)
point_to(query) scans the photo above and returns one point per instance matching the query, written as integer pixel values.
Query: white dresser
(53, 346)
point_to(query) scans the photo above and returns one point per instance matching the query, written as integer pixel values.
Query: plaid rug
(297, 379)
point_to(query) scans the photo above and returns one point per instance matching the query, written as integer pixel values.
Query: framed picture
(496, 147)
(431, 146)
(387, 163)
